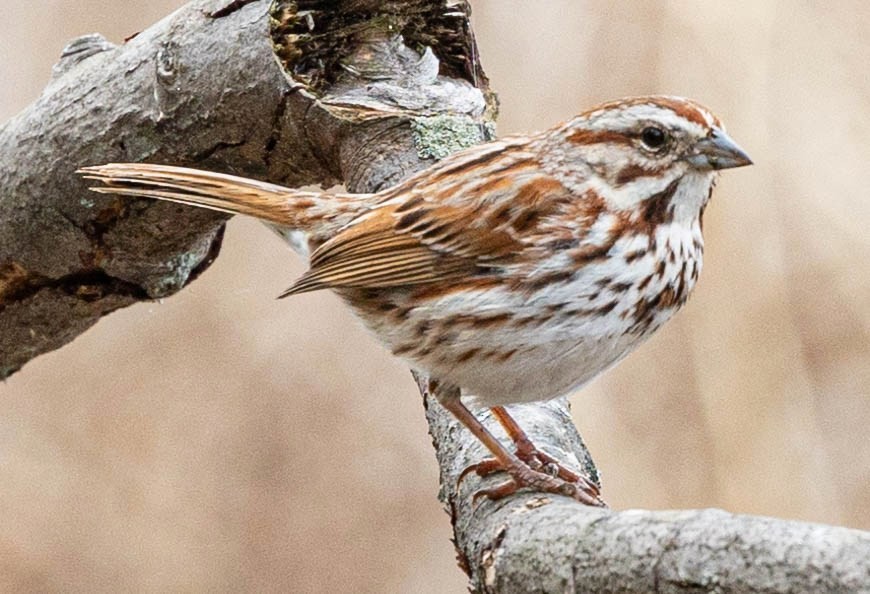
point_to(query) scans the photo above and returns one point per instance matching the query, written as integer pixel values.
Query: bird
(513, 271)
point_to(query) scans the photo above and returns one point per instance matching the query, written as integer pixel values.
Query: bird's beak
(718, 151)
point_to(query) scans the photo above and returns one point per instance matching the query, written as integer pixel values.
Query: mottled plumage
(513, 271)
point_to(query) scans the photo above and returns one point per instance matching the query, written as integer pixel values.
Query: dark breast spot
(620, 287)
(645, 282)
(590, 253)
(658, 209)
(634, 255)
(606, 308)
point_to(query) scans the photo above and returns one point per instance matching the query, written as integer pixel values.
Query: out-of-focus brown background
(222, 440)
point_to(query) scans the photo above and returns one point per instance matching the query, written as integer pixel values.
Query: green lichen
(438, 136)
(173, 275)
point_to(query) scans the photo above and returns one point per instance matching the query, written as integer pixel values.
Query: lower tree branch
(672, 551)
(542, 543)
(366, 93)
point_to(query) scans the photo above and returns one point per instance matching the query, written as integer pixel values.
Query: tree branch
(202, 88)
(536, 543)
(357, 98)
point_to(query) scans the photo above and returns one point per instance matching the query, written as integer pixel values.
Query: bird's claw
(540, 472)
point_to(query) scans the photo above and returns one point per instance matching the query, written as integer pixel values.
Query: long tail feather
(304, 219)
(287, 207)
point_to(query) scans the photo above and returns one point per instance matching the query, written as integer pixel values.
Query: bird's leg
(531, 455)
(522, 475)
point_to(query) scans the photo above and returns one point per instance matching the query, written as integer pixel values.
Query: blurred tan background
(224, 441)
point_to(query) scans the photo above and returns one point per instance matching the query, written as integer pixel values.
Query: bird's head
(631, 149)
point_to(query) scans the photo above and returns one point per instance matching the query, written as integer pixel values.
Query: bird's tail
(314, 213)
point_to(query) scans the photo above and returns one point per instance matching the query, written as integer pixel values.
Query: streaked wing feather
(436, 235)
(373, 253)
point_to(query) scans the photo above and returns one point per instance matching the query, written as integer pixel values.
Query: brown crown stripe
(540, 188)
(683, 109)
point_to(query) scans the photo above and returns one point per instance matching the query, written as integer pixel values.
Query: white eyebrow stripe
(625, 117)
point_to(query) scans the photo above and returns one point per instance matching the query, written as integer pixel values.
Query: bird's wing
(433, 234)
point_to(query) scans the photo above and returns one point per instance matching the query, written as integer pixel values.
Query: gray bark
(202, 88)
(362, 103)
(543, 543)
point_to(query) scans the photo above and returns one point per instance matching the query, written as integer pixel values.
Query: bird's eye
(653, 138)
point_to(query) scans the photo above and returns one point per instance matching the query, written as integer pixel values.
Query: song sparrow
(510, 272)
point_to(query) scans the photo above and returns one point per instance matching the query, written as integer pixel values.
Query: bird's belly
(540, 372)
(502, 345)
(521, 353)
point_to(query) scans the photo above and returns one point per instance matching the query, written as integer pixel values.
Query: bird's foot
(529, 467)
(538, 471)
